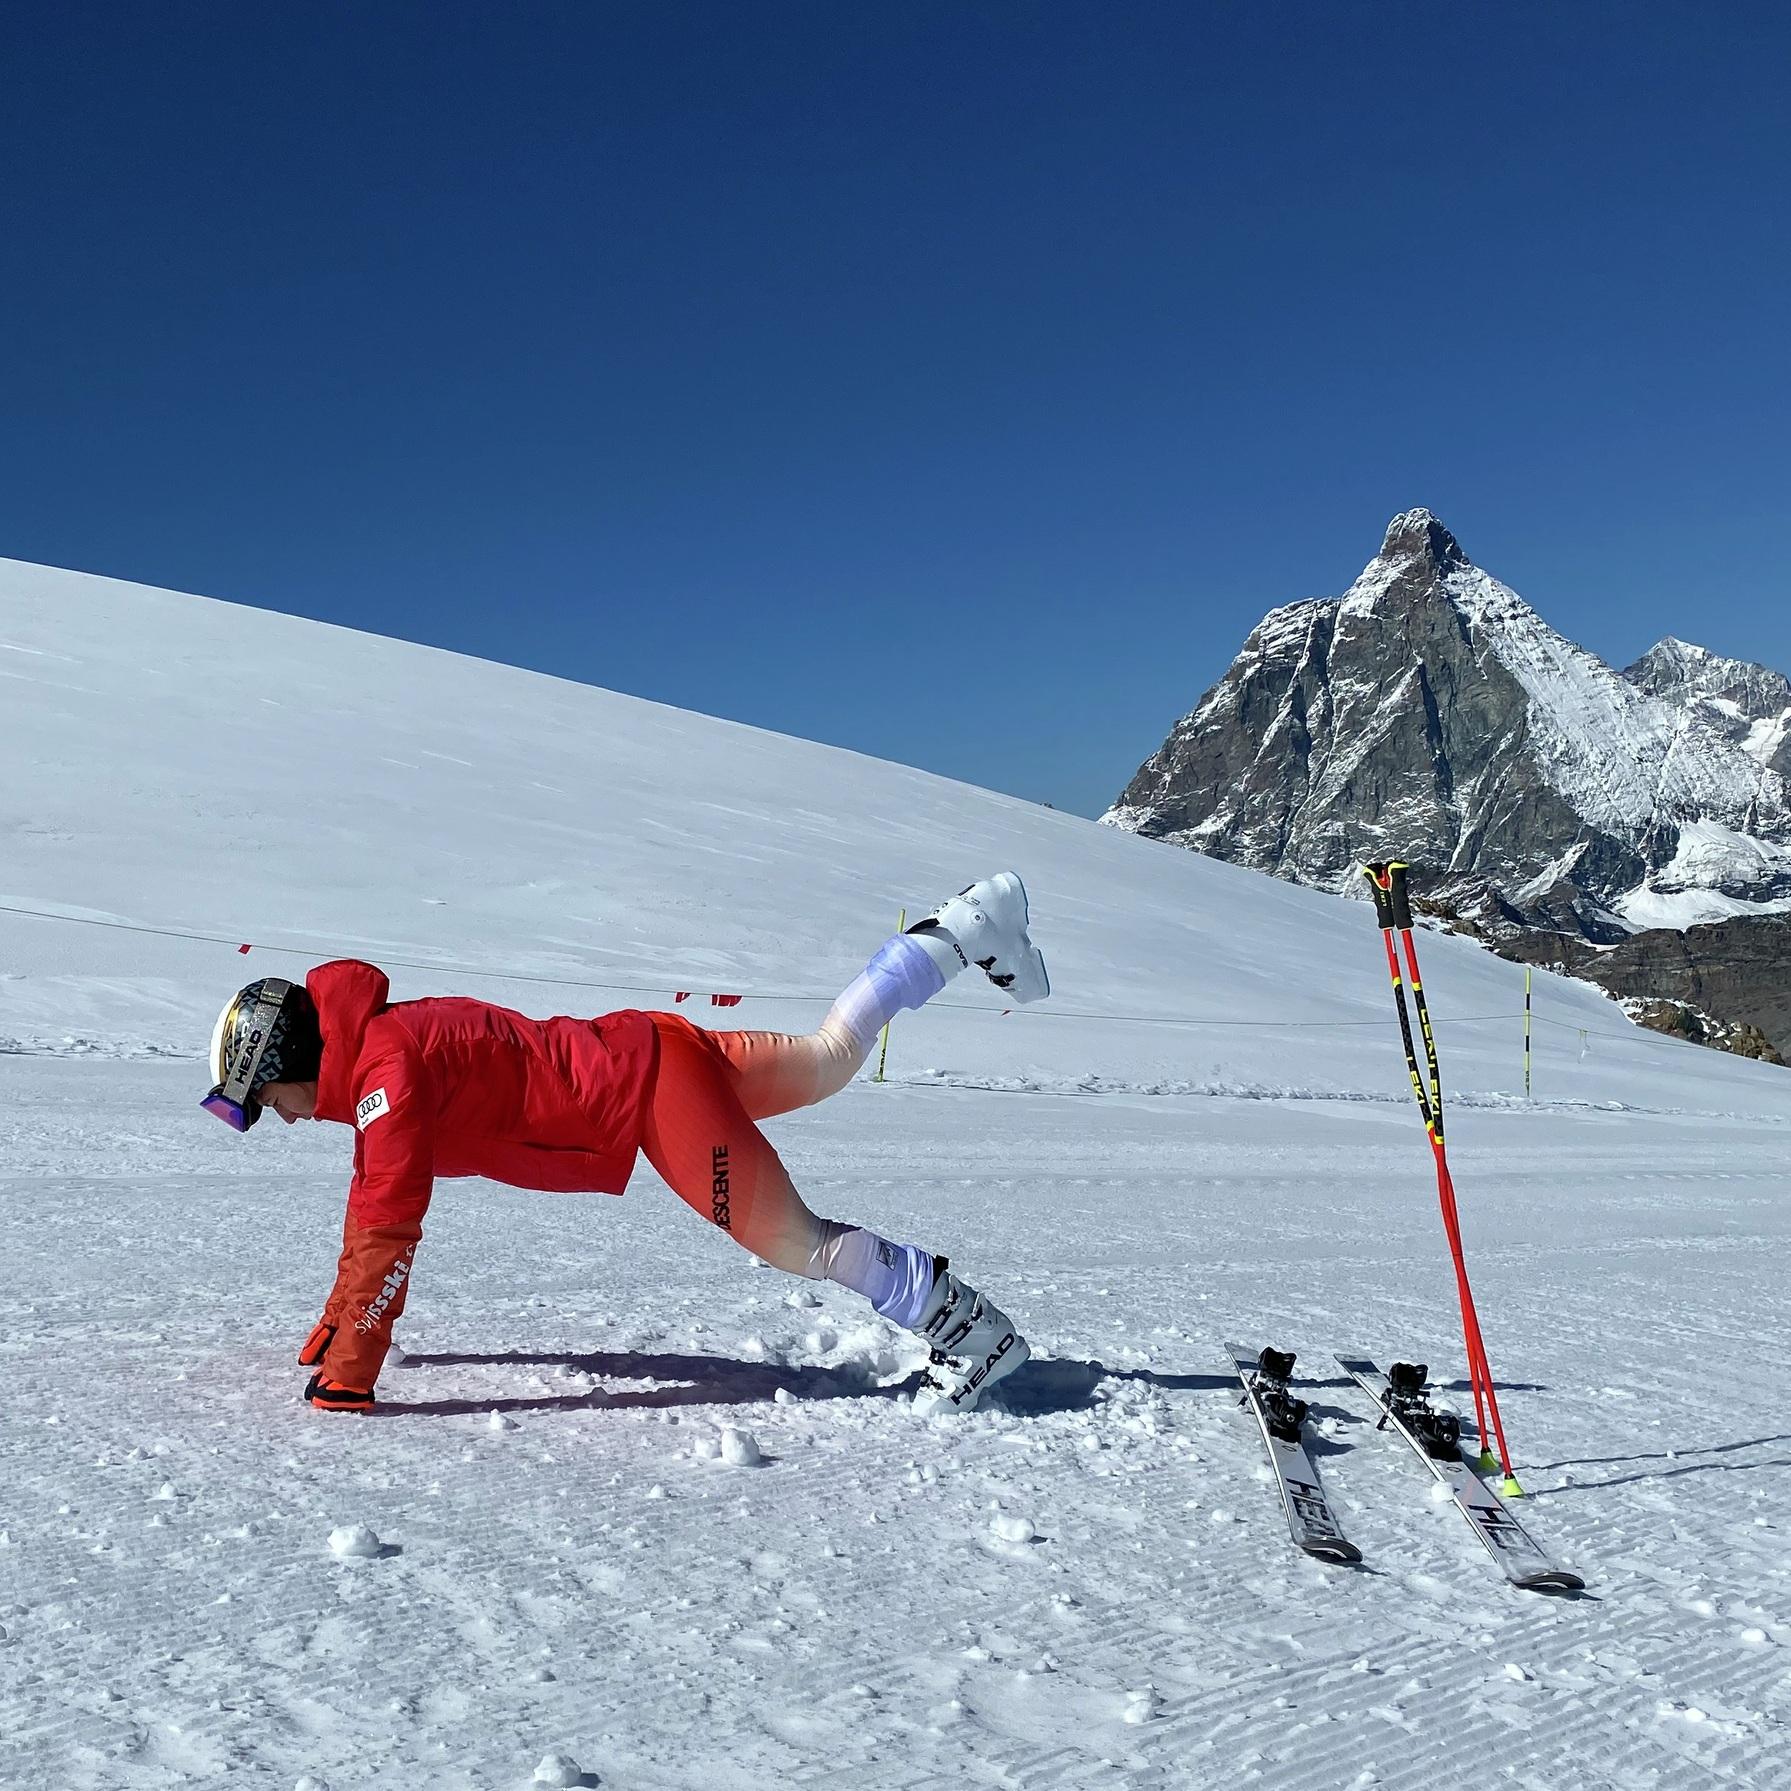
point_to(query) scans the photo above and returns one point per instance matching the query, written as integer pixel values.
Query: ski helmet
(266, 1033)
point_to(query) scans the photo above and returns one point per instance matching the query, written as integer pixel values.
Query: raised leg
(776, 1072)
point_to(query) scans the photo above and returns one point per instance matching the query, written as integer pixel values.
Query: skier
(449, 1086)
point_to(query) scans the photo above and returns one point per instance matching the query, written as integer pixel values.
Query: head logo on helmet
(266, 1033)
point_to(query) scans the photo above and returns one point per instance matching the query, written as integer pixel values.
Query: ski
(1282, 1418)
(1404, 1402)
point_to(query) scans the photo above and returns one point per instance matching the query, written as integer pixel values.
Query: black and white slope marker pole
(1282, 1419)
(1435, 1437)
(1393, 913)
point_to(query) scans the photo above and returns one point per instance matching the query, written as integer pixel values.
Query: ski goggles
(233, 1100)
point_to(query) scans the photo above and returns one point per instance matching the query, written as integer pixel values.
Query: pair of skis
(1434, 1437)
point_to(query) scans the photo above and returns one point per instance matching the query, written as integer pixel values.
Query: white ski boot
(974, 1344)
(986, 924)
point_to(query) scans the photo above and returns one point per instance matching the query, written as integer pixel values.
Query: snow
(1690, 889)
(562, 1770)
(1752, 702)
(1765, 736)
(1207, 1131)
(1010, 1527)
(1644, 907)
(1285, 632)
(740, 1448)
(1626, 760)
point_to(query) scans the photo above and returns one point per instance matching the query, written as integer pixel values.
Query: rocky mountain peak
(1671, 650)
(1417, 536)
(1672, 662)
(1432, 711)
(1748, 704)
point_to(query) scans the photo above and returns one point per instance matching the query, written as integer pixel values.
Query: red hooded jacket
(455, 1087)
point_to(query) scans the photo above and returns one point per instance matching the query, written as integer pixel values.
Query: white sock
(895, 1278)
(904, 972)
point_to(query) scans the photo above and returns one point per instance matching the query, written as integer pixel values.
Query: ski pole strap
(1392, 904)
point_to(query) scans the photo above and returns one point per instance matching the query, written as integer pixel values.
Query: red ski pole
(1470, 1317)
(1428, 1110)
(1393, 912)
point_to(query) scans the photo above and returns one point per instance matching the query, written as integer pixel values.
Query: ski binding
(1281, 1417)
(1402, 1394)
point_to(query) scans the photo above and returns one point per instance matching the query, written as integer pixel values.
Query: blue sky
(958, 383)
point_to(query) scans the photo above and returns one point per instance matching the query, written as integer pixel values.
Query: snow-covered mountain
(580, 1577)
(1749, 704)
(1431, 712)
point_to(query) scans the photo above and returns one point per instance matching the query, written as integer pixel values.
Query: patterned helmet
(266, 1033)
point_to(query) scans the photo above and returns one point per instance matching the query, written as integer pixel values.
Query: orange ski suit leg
(777, 1072)
(701, 1139)
(709, 1088)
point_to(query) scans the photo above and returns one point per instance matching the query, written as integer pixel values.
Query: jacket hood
(348, 995)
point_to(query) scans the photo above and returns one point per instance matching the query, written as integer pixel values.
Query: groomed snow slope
(1139, 1169)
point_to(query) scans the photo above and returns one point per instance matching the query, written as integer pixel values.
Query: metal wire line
(658, 989)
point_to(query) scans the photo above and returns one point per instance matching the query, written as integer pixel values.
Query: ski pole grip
(1392, 903)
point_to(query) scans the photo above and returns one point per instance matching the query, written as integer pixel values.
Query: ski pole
(1526, 1032)
(883, 1052)
(1488, 1399)
(1393, 913)
(1430, 1109)
(1479, 1370)
(1446, 1190)
(1386, 912)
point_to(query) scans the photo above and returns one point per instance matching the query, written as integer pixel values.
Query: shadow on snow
(1044, 1386)
(1039, 1388)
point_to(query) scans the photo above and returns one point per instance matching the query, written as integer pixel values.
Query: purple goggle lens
(238, 1115)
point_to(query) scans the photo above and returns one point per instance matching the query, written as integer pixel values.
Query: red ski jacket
(456, 1087)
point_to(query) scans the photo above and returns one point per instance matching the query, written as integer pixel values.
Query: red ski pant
(708, 1089)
